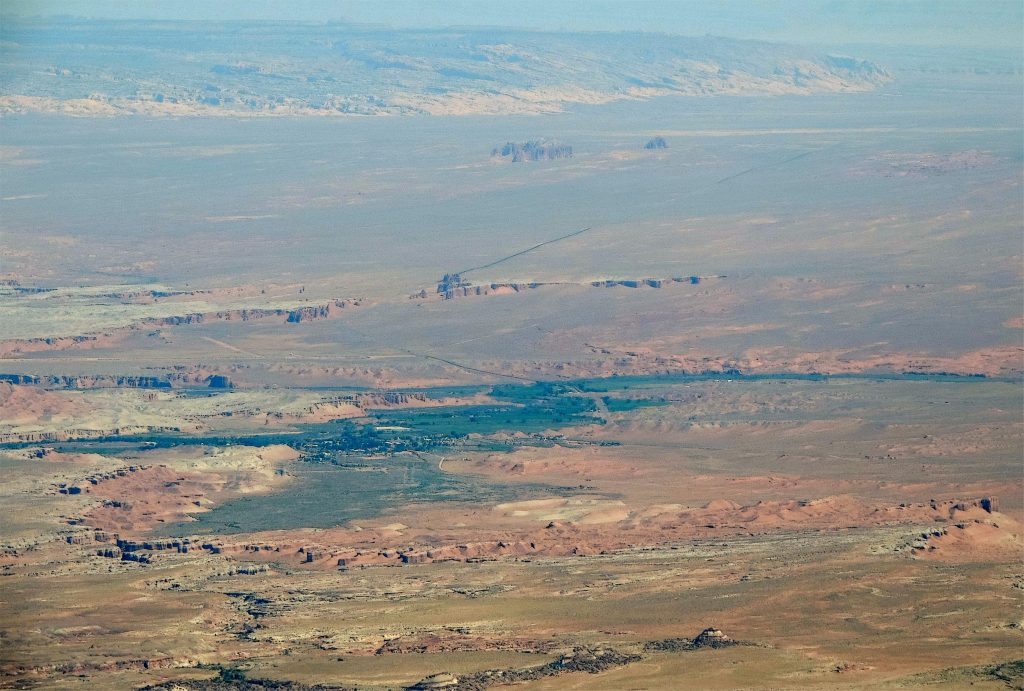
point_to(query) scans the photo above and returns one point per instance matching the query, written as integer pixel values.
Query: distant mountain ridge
(109, 68)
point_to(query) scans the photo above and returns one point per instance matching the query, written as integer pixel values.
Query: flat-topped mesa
(708, 638)
(219, 381)
(712, 638)
(536, 150)
(453, 285)
(324, 311)
(449, 283)
(467, 289)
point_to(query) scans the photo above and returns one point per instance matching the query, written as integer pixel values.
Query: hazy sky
(933, 22)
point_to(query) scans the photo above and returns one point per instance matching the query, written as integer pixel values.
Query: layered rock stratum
(336, 69)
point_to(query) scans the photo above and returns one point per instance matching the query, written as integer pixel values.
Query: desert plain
(699, 368)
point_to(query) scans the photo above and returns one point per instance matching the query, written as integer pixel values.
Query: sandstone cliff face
(21, 379)
(23, 346)
(454, 286)
(17, 347)
(319, 311)
(292, 316)
(81, 434)
(95, 381)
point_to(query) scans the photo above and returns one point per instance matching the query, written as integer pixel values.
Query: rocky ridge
(343, 549)
(586, 659)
